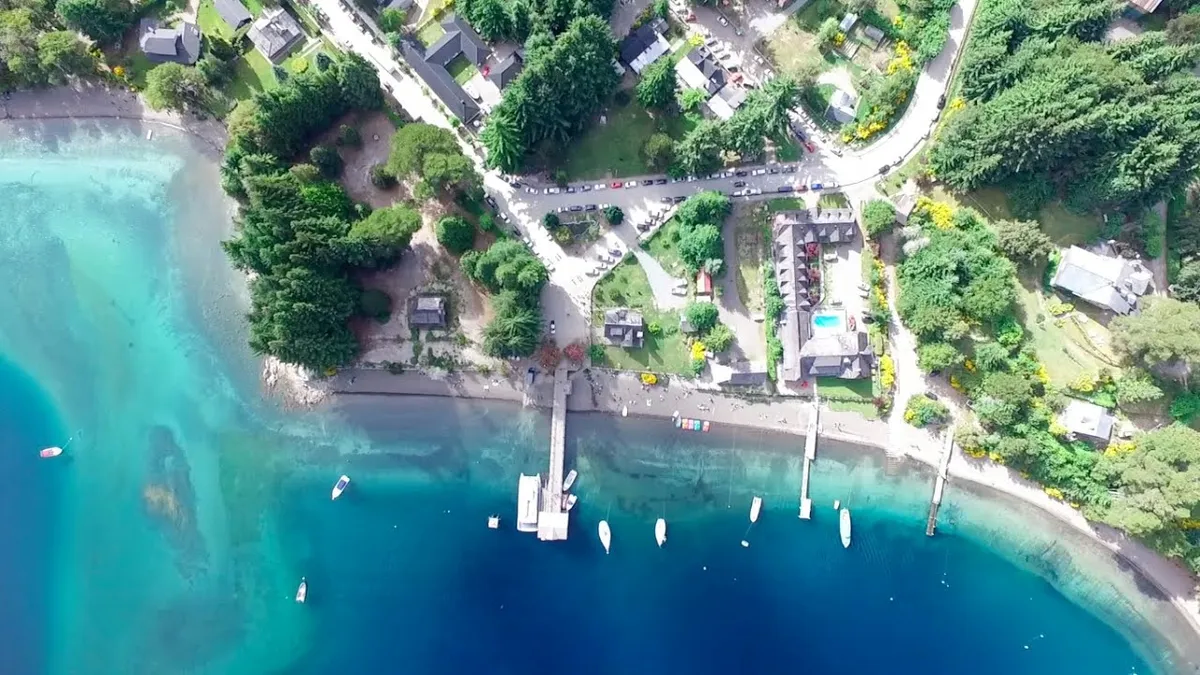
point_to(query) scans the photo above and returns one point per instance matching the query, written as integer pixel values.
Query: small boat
(340, 486)
(660, 531)
(745, 544)
(605, 535)
(678, 421)
(844, 525)
(624, 411)
(570, 480)
(493, 522)
(837, 504)
(50, 452)
(569, 502)
(302, 592)
(705, 428)
(755, 507)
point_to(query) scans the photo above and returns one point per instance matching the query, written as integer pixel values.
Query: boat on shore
(302, 591)
(624, 411)
(47, 453)
(660, 531)
(755, 507)
(605, 535)
(570, 480)
(340, 486)
(844, 526)
(569, 502)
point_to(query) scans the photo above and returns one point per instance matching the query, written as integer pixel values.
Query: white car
(758, 172)
(754, 191)
(631, 184)
(830, 257)
(678, 291)
(600, 186)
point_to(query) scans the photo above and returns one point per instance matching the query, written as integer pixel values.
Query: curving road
(567, 298)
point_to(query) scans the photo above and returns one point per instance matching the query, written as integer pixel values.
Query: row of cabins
(275, 34)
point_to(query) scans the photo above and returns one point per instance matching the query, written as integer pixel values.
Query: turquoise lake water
(172, 534)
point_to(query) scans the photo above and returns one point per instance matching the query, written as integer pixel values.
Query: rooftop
(1105, 281)
(846, 355)
(430, 64)
(1087, 419)
(427, 311)
(625, 327)
(233, 13)
(275, 33)
(644, 45)
(177, 45)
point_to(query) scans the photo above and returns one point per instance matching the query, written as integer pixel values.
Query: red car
(616, 184)
(809, 146)
(851, 322)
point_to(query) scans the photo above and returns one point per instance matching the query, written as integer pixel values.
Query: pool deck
(819, 330)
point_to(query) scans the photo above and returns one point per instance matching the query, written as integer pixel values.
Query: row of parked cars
(630, 184)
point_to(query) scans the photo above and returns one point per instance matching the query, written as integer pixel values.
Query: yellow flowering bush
(941, 213)
(1057, 429)
(1084, 384)
(1189, 524)
(1119, 448)
(958, 103)
(119, 71)
(995, 457)
(1057, 308)
(969, 365)
(977, 453)
(955, 383)
(898, 22)
(839, 39)
(696, 39)
(649, 379)
(1054, 493)
(698, 350)
(1042, 375)
(887, 372)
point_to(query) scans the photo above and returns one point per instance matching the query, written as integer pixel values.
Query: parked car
(586, 188)
(801, 188)
(739, 183)
(755, 191)
(816, 186)
(532, 191)
(661, 181)
(784, 188)
(570, 189)
(830, 257)
(530, 375)
(616, 253)
(590, 207)
(691, 179)
(504, 217)
(740, 173)
(592, 273)
(680, 199)
(647, 182)
(616, 184)
(631, 184)
(679, 291)
(667, 200)
(884, 169)
(941, 102)
(758, 172)
(577, 207)
(790, 168)
(552, 328)
(773, 170)
(932, 396)
(740, 193)
(599, 186)
(491, 202)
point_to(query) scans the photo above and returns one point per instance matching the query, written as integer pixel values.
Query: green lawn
(837, 388)
(461, 69)
(1064, 227)
(664, 246)
(627, 286)
(833, 200)
(787, 149)
(430, 33)
(252, 73)
(816, 11)
(136, 66)
(210, 22)
(815, 100)
(753, 252)
(614, 149)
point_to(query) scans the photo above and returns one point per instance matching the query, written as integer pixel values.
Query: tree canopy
(431, 154)
(1163, 336)
(102, 20)
(656, 88)
(456, 234)
(699, 221)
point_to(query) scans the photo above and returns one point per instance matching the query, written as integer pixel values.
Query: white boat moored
(660, 531)
(755, 507)
(837, 504)
(340, 486)
(569, 502)
(493, 522)
(570, 479)
(844, 526)
(624, 411)
(605, 535)
(302, 591)
(50, 452)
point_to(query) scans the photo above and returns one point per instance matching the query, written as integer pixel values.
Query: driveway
(661, 283)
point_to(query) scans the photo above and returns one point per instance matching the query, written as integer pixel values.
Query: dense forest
(36, 47)
(1051, 111)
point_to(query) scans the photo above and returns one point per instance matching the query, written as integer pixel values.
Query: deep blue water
(171, 536)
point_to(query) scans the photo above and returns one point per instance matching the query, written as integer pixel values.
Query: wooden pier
(939, 483)
(810, 454)
(552, 519)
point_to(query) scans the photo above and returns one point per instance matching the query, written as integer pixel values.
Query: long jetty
(939, 484)
(552, 519)
(810, 454)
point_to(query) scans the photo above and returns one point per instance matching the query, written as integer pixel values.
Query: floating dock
(529, 491)
(939, 484)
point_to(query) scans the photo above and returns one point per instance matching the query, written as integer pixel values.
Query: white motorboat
(605, 535)
(493, 522)
(569, 502)
(745, 544)
(844, 525)
(624, 411)
(837, 504)
(755, 507)
(660, 531)
(340, 486)
(302, 591)
(570, 480)
(50, 452)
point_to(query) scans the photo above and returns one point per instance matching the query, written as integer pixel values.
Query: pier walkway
(552, 520)
(810, 454)
(939, 484)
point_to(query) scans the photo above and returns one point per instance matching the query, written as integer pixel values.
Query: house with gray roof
(180, 44)
(233, 13)
(741, 374)
(430, 64)
(845, 355)
(275, 34)
(1108, 282)
(503, 73)
(797, 240)
(624, 327)
(871, 37)
(644, 45)
(427, 311)
(700, 70)
(1087, 421)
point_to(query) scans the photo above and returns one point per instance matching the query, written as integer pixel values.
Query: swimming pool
(827, 322)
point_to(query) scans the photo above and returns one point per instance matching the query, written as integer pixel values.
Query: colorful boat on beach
(340, 486)
(690, 424)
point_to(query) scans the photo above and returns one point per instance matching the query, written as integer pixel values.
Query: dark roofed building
(427, 311)
(430, 64)
(506, 71)
(176, 45)
(459, 38)
(701, 71)
(624, 327)
(844, 355)
(741, 374)
(1111, 282)
(233, 13)
(645, 45)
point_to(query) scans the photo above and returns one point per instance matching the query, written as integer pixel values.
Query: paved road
(566, 300)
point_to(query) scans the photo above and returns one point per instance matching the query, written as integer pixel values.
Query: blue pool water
(172, 535)
(828, 322)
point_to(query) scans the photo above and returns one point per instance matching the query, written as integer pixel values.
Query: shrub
(327, 160)
(550, 221)
(878, 217)
(702, 315)
(887, 372)
(456, 234)
(487, 223)
(614, 214)
(574, 352)
(375, 304)
(349, 136)
(922, 411)
(649, 379)
(654, 329)
(1185, 407)
(306, 173)
(720, 338)
(595, 353)
(381, 177)
(562, 235)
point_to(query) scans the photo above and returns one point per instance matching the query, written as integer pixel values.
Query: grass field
(753, 251)
(252, 73)
(837, 388)
(430, 33)
(210, 22)
(664, 246)
(461, 69)
(627, 286)
(614, 149)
